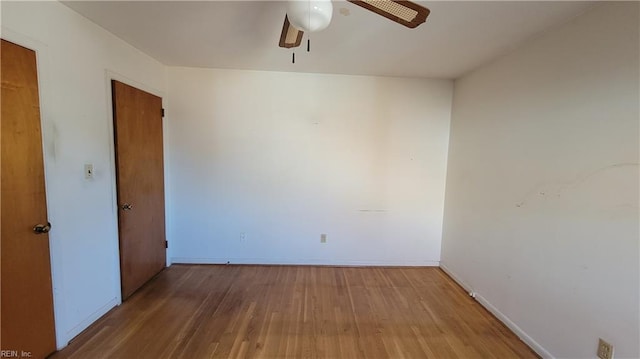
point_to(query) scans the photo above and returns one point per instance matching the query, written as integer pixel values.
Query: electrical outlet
(323, 238)
(243, 236)
(605, 350)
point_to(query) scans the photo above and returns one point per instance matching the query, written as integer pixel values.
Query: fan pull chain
(309, 24)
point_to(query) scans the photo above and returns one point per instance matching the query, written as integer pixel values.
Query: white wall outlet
(605, 350)
(323, 238)
(243, 236)
(88, 171)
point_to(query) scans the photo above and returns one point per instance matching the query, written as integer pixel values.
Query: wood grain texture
(27, 296)
(137, 118)
(192, 311)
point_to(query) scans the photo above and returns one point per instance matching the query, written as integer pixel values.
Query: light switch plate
(88, 171)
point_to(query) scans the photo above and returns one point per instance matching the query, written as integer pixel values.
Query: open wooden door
(137, 119)
(27, 296)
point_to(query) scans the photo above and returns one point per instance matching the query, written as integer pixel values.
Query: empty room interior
(320, 179)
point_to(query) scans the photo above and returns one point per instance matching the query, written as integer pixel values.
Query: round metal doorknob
(126, 207)
(42, 228)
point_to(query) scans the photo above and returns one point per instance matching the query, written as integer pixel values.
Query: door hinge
(166, 244)
(162, 112)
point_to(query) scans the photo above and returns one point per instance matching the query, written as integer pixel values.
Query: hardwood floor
(202, 311)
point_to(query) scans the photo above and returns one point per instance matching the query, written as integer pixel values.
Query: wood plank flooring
(202, 311)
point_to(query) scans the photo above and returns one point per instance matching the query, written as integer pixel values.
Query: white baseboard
(266, 261)
(73, 332)
(457, 279)
(539, 349)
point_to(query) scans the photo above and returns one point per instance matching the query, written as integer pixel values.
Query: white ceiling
(457, 37)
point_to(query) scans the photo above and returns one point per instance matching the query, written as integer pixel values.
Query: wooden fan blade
(406, 13)
(290, 37)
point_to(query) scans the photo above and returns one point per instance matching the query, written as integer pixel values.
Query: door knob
(42, 228)
(126, 207)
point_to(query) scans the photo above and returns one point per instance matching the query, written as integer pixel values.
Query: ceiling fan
(315, 15)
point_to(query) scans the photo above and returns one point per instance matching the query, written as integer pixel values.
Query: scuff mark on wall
(557, 189)
(52, 141)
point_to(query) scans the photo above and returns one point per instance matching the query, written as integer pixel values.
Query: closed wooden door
(27, 296)
(137, 119)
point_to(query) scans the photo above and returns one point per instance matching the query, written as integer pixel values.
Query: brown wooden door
(137, 119)
(27, 296)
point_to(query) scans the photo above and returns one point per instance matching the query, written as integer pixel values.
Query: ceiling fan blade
(406, 13)
(290, 37)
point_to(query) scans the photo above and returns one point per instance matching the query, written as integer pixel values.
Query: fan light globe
(309, 15)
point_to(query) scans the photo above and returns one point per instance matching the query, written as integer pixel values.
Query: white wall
(284, 157)
(541, 215)
(76, 59)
